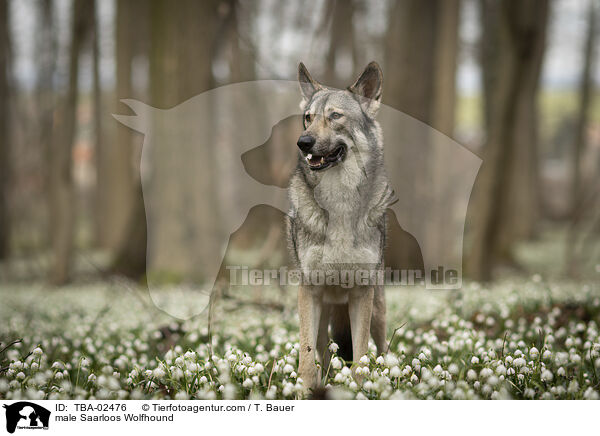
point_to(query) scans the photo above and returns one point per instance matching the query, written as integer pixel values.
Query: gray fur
(348, 200)
(337, 216)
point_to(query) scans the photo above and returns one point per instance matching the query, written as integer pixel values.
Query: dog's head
(337, 123)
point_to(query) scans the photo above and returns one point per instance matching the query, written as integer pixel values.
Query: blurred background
(513, 81)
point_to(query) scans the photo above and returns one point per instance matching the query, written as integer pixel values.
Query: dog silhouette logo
(26, 415)
(198, 191)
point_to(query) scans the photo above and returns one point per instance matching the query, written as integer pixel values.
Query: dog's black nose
(305, 142)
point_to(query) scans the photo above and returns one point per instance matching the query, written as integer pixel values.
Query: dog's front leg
(309, 309)
(360, 308)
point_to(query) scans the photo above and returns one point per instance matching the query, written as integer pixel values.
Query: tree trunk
(342, 46)
(128, 243)
(585, 96)
(62, 191)
(488, 50)
(421, 52)
(579, 143)
(410, 48)
(182, 44)
(505, 196)
(46, 104)
(4, 132)
(115, 169)
(444, 81)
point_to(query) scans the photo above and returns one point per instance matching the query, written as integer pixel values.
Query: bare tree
(420, 63)
(505, 204)
(182, 47)
(339, 15)
(130, 248)
(46, 50)
(579, 143)
(62, 191)
(114, 158)
(4, 131)
(585, 97)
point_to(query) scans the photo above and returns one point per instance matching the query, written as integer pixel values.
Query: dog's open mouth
(336, 156)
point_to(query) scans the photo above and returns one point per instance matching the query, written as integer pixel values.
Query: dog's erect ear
(369, 86)
(308, 85)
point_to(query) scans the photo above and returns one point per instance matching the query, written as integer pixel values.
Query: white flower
(380, 360)
(501, 370)
(519, 362)
(395, 372)
(37, 351)
(573, 387)
(547, 354)
(533, 352)
(158, 372)
(590, 394)
(471, 375)
(333, 347)
(492, 381)
(248, 383)
(287, 369)
(561, 371)
(486, 372)
(474, 360)
(346, 371)
(336, 363)
(21, 376)
(546, 376)
(391, 360)
(364, 360)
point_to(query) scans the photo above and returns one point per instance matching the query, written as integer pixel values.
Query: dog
(339, 193)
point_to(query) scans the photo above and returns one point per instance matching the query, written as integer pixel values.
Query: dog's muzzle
(320, 162)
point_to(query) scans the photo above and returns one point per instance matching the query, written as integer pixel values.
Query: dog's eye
(307, 118)
(335, 115)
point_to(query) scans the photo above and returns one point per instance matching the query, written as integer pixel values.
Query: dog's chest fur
(332, 222)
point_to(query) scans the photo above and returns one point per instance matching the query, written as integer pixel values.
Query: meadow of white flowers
(516, 339)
